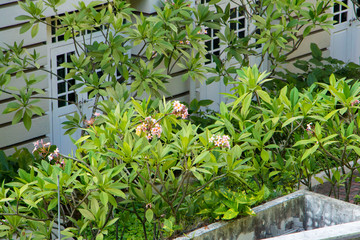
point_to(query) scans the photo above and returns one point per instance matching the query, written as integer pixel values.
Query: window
(237, 21)
(212, 45)
(63, 85)
(340, 13)
(257, 31)
(237, 24)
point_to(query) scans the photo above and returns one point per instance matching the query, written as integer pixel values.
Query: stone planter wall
(300, 211)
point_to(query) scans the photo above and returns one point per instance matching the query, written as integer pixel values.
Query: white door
(345, 37)
(64, 106)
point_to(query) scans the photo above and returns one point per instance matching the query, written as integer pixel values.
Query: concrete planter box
(300, 215)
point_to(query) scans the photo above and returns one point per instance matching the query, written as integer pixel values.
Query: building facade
(343, 43)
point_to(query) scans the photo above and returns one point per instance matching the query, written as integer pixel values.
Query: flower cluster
(150, 127)
(355, 102)
(203, 31)
(180, 110)
(44, 150)
(92, 120)
(55, 154)
(187, 42)
(220, 141)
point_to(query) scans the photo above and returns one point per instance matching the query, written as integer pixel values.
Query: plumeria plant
(144, 158)
(292, 135)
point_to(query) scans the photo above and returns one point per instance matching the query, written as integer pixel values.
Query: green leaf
(315, 51)
(27, 120)
(17, 117)
(53, 203)
(307, 30)
(291, 120)
(25, 27)
(201, 157)
(100, 236)
(265, 155)
(11, 107)
(230, 214)
(149, 215)
(87, 214)
(355, 148)
(82, 139)
(320, 180)
(116, 192)
(264, 96)
(104, 198)
(245, 106)
(310, 151)
(23, 17)
(34, 30)
(273, 173)
(294, 96)
(332, 113)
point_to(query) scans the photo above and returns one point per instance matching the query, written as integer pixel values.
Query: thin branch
(210, 181)
(187, 176)
(180, 186)
(86, 196)
(158, 192)
(77, 160)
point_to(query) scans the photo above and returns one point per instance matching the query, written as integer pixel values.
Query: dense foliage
(145, 159)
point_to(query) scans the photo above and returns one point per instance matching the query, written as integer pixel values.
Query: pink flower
(220, 141)
(36, 145)
(187, 42)
(180, 110)
(156, 131)
(97, 114)
(150, 127)
(90, 122)
(62, 163)
(56, 152)
(355, 102)
(43, 145)
(148, 136)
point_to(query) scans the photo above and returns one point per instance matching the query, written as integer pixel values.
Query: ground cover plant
(147, 161)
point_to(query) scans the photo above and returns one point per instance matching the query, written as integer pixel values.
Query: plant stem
(58, 189)
(141, 220)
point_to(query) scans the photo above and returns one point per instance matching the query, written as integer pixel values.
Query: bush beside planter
(296, 212)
